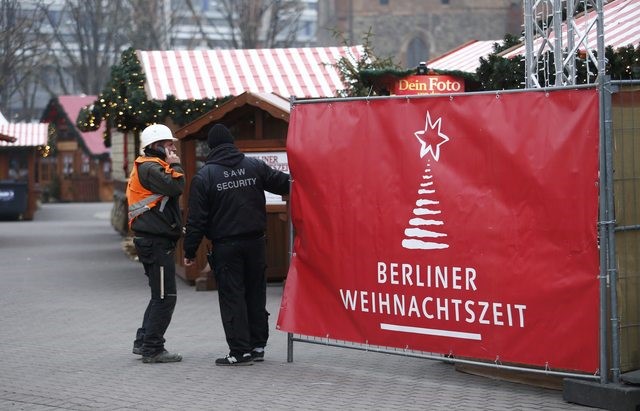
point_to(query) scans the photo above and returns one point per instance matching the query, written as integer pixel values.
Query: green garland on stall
(498, 73)
(623, 63)
(123, 103)
(364, 75)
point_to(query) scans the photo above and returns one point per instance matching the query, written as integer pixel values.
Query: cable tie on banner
(597, 372)
(449, 357)
(497, 360)
(450, 98)
(406, 348)
(607, 222)
(546, 366)
(497, 96)
(366, 345)
(327, 339)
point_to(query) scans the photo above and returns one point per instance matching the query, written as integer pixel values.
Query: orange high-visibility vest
(139, 198)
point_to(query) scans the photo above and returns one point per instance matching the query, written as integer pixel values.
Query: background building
(411, 31)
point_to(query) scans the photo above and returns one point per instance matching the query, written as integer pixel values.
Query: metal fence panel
(625, 120)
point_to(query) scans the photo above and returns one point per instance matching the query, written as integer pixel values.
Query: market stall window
(67, 165)
(106, 170)
(18, 168)
(86, 164)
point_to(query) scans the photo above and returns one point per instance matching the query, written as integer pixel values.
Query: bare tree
(255, 23)
(87, 39)
(49, 48)
(151, 24)
(68, 47)
(21, 50)
(282, 22)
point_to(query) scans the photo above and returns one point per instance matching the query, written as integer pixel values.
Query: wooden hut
(22, 146)
(259, 123)
(80, 170)
(193, 75)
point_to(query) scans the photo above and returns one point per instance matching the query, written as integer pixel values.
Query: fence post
(608, 244)
(608, 275)
(292, 102)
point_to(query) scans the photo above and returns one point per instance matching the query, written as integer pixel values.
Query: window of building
(86, 164)
(19, 167)
(384, 2)
(106, 170)
(417, 52)
(54, 17)
(67, 165)
(307, 29)
(47, 169)
(202, 150)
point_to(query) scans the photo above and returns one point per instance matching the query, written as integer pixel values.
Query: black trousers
(239, 267)
(157, 257)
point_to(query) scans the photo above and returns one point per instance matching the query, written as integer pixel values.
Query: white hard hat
(153, 133)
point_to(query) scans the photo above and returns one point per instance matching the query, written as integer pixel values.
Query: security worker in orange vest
(155, 185)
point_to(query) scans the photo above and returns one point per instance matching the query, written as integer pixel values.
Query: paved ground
(71, 303)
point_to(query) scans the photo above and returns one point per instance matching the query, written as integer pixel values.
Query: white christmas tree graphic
(424, 232)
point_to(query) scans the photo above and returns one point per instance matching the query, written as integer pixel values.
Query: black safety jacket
(226, 199)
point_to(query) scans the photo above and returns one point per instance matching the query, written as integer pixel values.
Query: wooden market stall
(178, 83)
(22, 146)
(259, 123)
(80, 170)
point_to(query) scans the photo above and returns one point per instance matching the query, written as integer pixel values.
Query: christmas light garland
(123, 103)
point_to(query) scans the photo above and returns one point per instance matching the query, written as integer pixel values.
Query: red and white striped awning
(196, 74)
(621, 20)
(464, 58)
(24, 134)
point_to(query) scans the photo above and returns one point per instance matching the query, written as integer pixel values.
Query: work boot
(163, 356)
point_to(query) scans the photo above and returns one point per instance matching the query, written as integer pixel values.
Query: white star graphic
(429, 140)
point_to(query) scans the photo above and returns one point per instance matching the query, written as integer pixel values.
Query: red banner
(463, 226)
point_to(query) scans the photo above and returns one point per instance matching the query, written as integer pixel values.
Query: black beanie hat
(219, 134)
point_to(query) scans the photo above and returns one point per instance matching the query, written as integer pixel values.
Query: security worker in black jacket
(227, 206)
